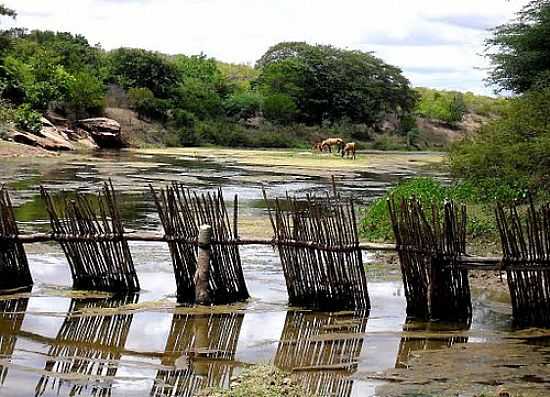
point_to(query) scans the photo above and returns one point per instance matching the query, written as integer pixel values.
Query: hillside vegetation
(295, 95)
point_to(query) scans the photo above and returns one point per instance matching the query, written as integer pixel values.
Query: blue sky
(437, 43)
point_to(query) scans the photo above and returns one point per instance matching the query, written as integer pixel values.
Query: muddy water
(58, 342)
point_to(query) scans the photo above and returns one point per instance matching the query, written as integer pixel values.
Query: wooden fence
(526, 247)
(428, 243)
(14, 267)
(103, 264)
(323, 266)
(322, 350)
(182, 212)
(318, 245)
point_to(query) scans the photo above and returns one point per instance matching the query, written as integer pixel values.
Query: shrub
(243, 105)
(510, 153)
(85, 95)
(146, 105)
(279, 108)
(28, 120)
(375, 219)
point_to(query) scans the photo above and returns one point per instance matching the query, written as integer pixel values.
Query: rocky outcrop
(49, 138)
(105, 132)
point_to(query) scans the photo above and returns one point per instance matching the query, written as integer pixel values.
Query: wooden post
(202, 274)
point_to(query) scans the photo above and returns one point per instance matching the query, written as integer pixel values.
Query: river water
(58, 342)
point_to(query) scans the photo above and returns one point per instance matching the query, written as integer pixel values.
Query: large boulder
(105, 132)
(49, 137)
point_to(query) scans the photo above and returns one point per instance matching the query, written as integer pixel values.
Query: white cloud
(436, 43)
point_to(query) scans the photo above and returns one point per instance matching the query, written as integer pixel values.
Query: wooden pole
(202, 275)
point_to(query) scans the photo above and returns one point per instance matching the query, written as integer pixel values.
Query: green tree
(85, 95)
(513, 149)
(328, 84)
(519, 51)
(279, 108)
(137, 68)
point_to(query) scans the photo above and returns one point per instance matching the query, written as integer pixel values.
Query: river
(59, 342)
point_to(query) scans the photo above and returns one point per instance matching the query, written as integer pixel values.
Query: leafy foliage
(28, 120)
(85, 95)
(330, 84)
(375, 219)
(448, 106)
(132, 67)
(519, 50)
(513, 149)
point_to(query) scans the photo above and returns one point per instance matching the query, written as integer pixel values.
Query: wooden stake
(202, 275)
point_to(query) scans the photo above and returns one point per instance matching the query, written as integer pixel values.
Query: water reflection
(322, 350)
(201, 349)
(430, 336)
(88, 346)
(12, 313)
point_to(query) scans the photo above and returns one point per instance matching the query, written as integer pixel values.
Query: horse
(330, 142)
(350, 149)
(317, 146)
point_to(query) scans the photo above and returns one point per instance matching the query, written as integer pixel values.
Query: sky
(437, 43)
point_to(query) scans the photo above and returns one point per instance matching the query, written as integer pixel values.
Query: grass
(479, 198)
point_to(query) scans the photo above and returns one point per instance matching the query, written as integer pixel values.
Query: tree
(85, 95)
(137, 68)
(7, 12)
(513, 148)
(331, 84)
(519, 51)
(4, 38)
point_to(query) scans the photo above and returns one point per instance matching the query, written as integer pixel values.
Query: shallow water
(54, 342)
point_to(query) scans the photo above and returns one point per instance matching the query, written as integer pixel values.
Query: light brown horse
(317, 146)
(330, 142)
(349, 150)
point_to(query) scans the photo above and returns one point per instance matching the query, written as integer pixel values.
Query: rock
(105, 132)
(42, 142)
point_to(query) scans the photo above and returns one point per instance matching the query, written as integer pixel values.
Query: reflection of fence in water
(88, 345)
(411, 344)
(322, 350)
(12, 313)
(209, 343)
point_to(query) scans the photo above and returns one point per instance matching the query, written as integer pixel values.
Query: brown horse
(330, 142)
(350, 149)
(317, 146)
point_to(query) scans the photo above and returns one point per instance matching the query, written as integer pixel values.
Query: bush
(447, 106)
(510, 153)
(375, 219)
(28, 120)
(85, 95)
(146, 105)
(279, 108)
(243, 105)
